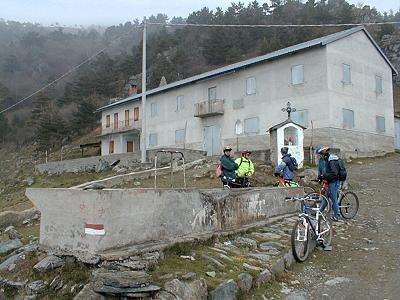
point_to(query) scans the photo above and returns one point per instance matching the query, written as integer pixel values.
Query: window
(378, 84)
(111, 147)
(108, 121)
(116, 122)
(238, 103)
(300, 117)
(346, 74)
(127, 118)
(348, 118)
(212, 93)
(153, 137)
(380, 124)
(179, 136)
(251, 85)
(136, 114)
(251, 125)
(180, 103)
(297, 74)
(153, 112)
(238, 127)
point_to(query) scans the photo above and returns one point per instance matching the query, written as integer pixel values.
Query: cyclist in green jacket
(246, 168)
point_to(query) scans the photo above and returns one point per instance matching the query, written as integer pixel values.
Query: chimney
(163, 81)
(132, 89)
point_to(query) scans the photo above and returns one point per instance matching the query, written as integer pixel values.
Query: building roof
(319, 42)
(287, 121)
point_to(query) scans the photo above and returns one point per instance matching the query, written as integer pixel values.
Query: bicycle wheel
(300, 240)
(325, 225)
(348, 205)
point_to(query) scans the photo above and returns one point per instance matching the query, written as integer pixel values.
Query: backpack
(342, 175)
(241, 160)
(218, 171)
(294, 165)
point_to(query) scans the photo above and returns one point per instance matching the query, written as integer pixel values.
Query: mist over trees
(32, 56)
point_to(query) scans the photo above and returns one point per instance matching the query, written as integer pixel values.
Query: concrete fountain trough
(96, 221)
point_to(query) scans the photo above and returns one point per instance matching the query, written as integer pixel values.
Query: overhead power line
(54, 81)
(272, 25)
(63, 75)
(192, 25)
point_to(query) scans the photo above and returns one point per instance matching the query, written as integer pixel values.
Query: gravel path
(365, 260)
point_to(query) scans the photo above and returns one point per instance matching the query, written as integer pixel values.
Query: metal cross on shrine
(288, 109)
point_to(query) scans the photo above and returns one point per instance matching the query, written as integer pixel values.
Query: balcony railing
(120, 126)
(209, 108)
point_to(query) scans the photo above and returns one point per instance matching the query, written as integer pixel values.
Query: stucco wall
(360, 95)
(139, 216)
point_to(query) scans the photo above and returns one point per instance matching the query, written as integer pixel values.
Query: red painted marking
(95, 226)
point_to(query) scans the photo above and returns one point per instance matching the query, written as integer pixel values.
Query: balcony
(209, 108)
(121, 126)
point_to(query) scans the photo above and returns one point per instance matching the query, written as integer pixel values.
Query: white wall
(322, 93)
(360, 96)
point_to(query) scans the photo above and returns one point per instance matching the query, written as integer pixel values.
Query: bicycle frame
(285, 183)
(308, 221)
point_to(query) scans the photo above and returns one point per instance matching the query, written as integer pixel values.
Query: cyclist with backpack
(288, 165)
(246, 168)
(330, 174)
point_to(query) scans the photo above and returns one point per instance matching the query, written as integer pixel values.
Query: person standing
(287, 166)
(245, 168)
(331, 175)
(228, 167)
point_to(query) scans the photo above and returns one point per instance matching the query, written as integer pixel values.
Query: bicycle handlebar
(301, 199)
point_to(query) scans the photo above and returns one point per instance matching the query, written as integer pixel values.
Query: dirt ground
(365, 260)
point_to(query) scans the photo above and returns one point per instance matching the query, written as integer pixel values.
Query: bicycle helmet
(246, 151)
(227, 148)
(321, 149)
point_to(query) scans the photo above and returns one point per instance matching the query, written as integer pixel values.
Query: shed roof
(319, 42)
(287, 121)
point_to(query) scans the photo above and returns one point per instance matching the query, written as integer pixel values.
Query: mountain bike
(290, 183)
(311, 225)
(348, 200)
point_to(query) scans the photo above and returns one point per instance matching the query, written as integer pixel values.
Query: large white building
(340, 84)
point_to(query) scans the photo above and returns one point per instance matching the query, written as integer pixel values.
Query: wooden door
(111, 147)
(129, 146)
(212, 140)
(116, 121)
(136, 114)
(127, 118)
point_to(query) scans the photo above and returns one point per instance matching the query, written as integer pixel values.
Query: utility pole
(144, 115)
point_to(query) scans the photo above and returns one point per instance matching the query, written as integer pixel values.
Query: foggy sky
(114, 12)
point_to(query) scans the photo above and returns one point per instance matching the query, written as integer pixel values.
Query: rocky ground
(256, 264)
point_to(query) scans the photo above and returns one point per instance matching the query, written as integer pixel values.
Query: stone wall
(96, 163)
(142, 216)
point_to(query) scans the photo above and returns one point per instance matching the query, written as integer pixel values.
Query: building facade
(340, 85)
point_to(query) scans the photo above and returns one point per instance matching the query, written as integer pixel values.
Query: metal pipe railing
(171, 152)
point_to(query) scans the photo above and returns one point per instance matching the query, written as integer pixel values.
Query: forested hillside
(32, 56)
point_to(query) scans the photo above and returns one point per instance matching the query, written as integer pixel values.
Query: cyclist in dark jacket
(228, 166)
(286, 167)
(331, 175)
